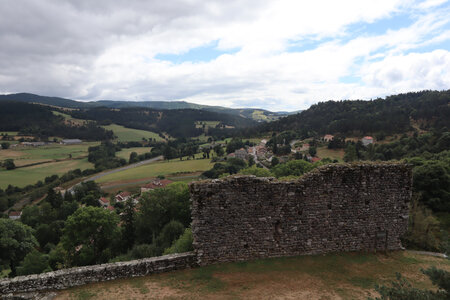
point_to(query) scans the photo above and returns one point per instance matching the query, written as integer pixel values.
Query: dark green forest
(178, 123)
(430, 109)
(39, 121)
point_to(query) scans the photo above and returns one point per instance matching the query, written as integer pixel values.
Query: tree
(183, 244)
(350, 153)
(128, 219)
(16, 241)
(89, 235)
(312, 151)
(275, 161)
(133, 157)
(34, 263)
(219, 150)
(292, 168)
(9, 164)
(159, 207)
(55, 199)
(5, 145)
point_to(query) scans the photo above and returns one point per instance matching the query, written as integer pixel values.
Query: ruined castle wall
(82, 275)
(333, 208)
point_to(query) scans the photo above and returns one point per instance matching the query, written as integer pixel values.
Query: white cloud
(106, 50)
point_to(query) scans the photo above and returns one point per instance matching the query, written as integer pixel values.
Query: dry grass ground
(334, 276)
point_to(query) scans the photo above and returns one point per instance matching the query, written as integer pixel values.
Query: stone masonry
(358, 207)
(82, 275)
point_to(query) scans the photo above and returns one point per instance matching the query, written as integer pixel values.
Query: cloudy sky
(278, 55)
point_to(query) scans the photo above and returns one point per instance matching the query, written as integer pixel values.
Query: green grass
(323, 152)
(30, 175)
(125, 153)
(207, 124)
(159, 168)
(28, 155)
(129, 135)
(343, 275)
(10, 133)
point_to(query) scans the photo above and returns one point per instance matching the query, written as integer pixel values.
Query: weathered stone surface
(334, 208)
(78, 276)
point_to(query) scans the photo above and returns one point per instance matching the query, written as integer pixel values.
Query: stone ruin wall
(362, 207)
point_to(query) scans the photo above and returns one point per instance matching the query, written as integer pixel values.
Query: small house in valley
(367, 140)
(71, 142)
(15, 215)
(122, 197)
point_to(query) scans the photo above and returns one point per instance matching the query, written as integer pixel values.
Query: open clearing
(323, 152)
(30, 175)
(159, 168)
(125, 152)
(333, 276)
(131, 135)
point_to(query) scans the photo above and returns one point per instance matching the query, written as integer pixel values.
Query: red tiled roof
(15, 213)
(368, 138)
(110, 208)
(314, 159)
(104, 200)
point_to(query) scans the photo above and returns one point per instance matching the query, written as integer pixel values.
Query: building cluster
(123, 197)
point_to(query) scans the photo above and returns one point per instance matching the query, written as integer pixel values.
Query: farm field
(125, 153)
(30, 175)
(332, 276)
(159, 168)
(323, 152)
(29, 155)
(129, 135)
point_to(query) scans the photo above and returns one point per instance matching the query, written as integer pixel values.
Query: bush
(183, 244)
(34, 263)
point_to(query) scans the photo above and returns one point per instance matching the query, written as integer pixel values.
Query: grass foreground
(332, 276)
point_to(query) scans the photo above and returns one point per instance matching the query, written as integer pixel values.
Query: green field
(159, 168)
(323, 152)
(30, 175)
(131, 135)
(210, 124)
(125, 153)
(331, 276)
(29, 155)
(11, 133)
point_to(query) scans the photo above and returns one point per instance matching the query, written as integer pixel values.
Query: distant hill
(394, 114)
(176, 122)
(40, 121)
(256, 114)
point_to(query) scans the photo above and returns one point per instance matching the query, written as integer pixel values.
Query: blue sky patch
(205, 53)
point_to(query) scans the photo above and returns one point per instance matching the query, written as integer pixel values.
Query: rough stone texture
(78, 276)
(333, 208)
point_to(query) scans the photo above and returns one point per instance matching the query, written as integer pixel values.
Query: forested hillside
(177, 123)
(39, 121)
(250, 113)
(429, 109)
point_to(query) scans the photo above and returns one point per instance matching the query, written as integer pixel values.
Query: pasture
(52, 159)
(30, 175)
(125, 152)
(159, 168)
(131, 135)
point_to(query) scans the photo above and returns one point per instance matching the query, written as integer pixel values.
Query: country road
(95, 177)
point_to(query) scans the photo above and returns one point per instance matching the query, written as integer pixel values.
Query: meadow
(125, 153)
(331, 276)
(70, 157)
(159, 168)
(338, 154)
(30, 175)
(129, 135)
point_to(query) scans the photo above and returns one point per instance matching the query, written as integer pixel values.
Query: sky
(277, 55)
